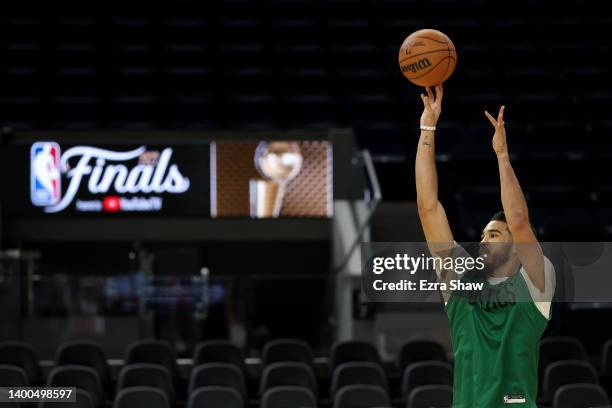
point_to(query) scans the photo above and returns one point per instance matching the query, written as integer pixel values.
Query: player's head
(496, 242)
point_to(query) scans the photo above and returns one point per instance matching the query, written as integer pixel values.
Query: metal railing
(372, 197)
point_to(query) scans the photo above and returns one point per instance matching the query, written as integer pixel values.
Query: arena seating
(275, 64)
(287, 350)
(358, 373)
(211, 397)
(84, 353)
(425, 373)
(334, 380)
(218, 351)
(580, 395)
(566, 372)
(420, 350)
(218, 375)
(23, 356)
(13, 375)
(82, 377)
(82, 400)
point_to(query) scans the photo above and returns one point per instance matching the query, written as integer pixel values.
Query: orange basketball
(427, 57)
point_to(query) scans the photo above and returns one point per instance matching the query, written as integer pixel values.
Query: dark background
(276, 65)
(292, 64)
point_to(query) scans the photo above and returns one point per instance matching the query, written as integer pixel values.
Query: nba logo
(45, 174)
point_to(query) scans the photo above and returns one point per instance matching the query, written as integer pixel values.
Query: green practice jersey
(495, 338)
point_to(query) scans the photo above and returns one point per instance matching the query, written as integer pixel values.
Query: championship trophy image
(277, 162)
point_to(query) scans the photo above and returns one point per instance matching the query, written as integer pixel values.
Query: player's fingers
(500, 115)
(439, 91)
(424, 99)
(430, 93)
(491, 118)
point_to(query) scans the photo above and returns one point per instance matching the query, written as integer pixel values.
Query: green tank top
(495, 337)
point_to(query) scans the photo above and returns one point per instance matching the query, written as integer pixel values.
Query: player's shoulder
(549, 280)
(548, 265)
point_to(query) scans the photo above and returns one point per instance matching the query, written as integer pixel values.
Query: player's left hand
(499, 138)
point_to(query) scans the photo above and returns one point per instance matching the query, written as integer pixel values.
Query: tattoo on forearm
(426, 141)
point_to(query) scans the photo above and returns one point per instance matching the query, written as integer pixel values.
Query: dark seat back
(218, 351)
(426, 373)
(12, 376)
(215, 397)
(361, 396)
(148, 397)
(21, 355)
(430, 396)
(420, 350)
(147, 375)
(353, 351)
(85, 378)
(288, 373)
(86, 353)
(566, 372)
(218, 374)
(580, 396)
(364, 373)
(153, 352)
(288, 396)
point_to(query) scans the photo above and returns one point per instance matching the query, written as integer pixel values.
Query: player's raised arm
(527, 247)
(432, 214)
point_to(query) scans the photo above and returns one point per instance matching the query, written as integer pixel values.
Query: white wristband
(432, 128)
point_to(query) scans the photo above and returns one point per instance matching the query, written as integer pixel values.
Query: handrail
(371, 172)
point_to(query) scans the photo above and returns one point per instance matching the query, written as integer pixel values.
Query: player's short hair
(501, 216)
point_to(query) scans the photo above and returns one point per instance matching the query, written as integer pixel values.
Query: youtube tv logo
(111, 204)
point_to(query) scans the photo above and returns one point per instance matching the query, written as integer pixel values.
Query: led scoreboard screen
(256, 179)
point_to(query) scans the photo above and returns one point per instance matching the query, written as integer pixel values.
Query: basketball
(427, 57)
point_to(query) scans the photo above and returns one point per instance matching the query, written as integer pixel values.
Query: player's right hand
(432, 106)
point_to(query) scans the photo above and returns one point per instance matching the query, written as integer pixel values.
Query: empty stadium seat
(152, 351)
(147, 375)
(86, 353)
(288, 373)
(215, 397)
(83, 400)
(430, 396)
(425, 373)
(420, 350)
(85, 378)
(23, 356)
(358, 373)
(218, 374)
(580, 396)
(566, 372)
(218, 351)
(558, 348)
(287, 350)
(351, 351)
(149, 397)
(361, 396)
(288, 396)
(12, 376)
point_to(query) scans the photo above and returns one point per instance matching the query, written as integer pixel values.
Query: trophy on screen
(277, 162)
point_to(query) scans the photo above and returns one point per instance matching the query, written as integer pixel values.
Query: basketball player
(495, 332)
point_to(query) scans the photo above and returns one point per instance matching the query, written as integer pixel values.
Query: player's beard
(497, 254)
